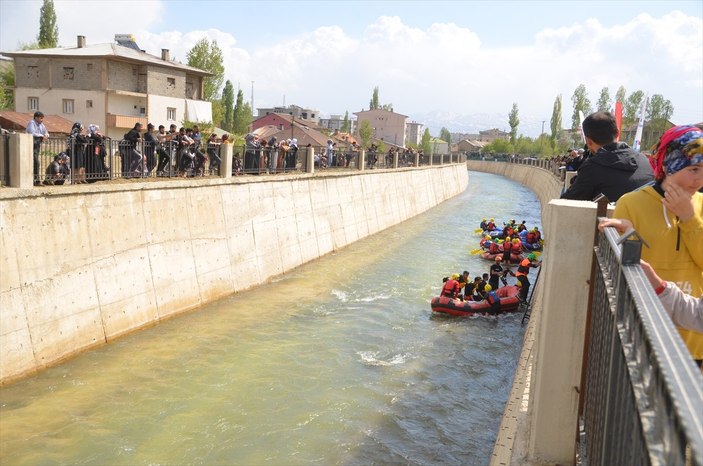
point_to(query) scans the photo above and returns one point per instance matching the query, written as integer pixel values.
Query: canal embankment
(83, 265)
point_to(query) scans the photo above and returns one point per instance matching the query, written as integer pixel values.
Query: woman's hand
(678, 201)
(620, 224)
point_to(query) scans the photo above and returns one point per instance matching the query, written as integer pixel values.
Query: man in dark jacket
(614, 168)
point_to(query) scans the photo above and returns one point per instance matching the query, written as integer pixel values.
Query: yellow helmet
(455, 276)
(488, 288)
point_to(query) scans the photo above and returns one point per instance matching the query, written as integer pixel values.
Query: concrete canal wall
(82, 265)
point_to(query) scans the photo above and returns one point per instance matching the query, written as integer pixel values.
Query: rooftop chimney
(81, 42)
(165, 55)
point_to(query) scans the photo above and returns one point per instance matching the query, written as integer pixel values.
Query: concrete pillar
(395, 159)
(362, 160)
(226, 162)
(556, 375)
(21, 167)
(568, 177)
(310, 160)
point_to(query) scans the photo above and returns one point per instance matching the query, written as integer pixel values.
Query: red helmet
(498, 259)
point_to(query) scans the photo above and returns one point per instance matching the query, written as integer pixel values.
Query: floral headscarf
(678, 148)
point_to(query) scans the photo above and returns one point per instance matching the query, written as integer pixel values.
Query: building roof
(108, 50)
(379, 110)
(17, 121)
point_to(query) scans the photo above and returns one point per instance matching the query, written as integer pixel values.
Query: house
(17, 122)
(651, 132)
(113, 85)
(335, 123)
(439, 146)
(413, 133)
(469, 146)
(387, 126)
(282, 120)
(293, 110)
(304, 132)
(491, 135)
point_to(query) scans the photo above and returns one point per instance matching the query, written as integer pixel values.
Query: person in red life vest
(493, 300)
(517, 246)
(508, 231)
(522, 271)
(451, 288)
(491, 225)
(508, 249)
(537, 233)
(531, 237)
(494, 248)
(521, 227)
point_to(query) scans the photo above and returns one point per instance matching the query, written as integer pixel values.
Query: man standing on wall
(614, 168)
(36, 128)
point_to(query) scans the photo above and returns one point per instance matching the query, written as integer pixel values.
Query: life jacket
(494, 249)
(523, 268)
(538, 235)
(450, 288)
(491, 226)
(508, 231)
(507, 246)
(531, 237)
(492, 297)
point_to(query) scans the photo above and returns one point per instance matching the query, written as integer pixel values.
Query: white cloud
(444, 66)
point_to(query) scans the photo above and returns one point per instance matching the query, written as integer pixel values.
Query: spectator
(163, 149)
(95, 155)
(150, 142)
(136, 161)
(614, 168)
(251, 154)
(213, 152)
(36, 128)
(685, 310)
(77, 143)
(57, 172)
(669, 216)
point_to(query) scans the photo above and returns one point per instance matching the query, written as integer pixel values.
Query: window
(32, 71)
(68, 73)
(33, 103)
(88, 104)
(171, 82)
(171, 114)
(89, 66)
(67, 105)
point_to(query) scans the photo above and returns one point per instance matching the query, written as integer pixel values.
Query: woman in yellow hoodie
(669, 216)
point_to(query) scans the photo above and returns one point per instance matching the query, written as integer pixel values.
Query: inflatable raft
(509, 302)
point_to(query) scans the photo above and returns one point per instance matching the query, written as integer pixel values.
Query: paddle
(478, 230)
(476, 251)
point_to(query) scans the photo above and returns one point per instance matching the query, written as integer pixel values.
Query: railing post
(310, 160)
(395, 159)
(21, 167)
(226, 160)
(417, 159)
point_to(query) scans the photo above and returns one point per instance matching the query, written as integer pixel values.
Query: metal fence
(643, 393)
(4, 159)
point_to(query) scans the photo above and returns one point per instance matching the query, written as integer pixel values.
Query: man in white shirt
(36, 128)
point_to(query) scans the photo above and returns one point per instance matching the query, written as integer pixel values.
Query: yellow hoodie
(675, 248)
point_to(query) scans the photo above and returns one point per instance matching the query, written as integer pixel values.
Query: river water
(337, 362)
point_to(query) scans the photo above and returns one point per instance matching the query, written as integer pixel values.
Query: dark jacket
(614, 170)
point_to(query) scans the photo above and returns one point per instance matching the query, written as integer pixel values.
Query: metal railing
(5, 161)
(643, 400)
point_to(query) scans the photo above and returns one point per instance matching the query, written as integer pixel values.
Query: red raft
(514, 258)
(509, 302)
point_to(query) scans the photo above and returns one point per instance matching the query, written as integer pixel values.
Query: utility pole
(541, 139)
(252, 99)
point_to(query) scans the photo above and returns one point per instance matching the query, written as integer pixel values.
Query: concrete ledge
(82, 265)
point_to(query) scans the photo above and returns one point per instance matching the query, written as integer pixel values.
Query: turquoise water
(337, 362)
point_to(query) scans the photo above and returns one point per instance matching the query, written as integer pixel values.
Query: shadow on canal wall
(83, 265)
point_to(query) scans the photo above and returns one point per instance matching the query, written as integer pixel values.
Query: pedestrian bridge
(603, 376)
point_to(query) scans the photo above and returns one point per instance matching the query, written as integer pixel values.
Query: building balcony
(124, 121)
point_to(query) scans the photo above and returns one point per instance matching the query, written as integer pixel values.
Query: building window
(134, 71)
(89, 66)
(88, 104)
(171, 82)
(68, 106)
(33, 103)
(68, 73)
(171, 114)
(32, 71)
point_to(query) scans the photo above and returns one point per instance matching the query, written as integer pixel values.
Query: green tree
(373, 104)
(426, 142)
(346, 123)
(555, 122)
(7, 86)
(659, 108)
(48, 29)
(581, 103)
(631, 107)
(620, 95)
(498, 146)
(241, 117)
(208, 57)
(445, 135)
(513, 121)
(365, 133)
(228, 106)
(604, 102)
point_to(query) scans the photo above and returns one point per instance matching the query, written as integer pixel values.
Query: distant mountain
(456, 123)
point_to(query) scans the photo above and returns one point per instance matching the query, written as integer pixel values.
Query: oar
(476, 251)
(478, 230)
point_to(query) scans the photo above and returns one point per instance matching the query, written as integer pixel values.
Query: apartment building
(413, 133)
(113, 85)
(387, 126)
(299, 113)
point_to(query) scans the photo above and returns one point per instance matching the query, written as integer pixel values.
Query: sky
(454, 64)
